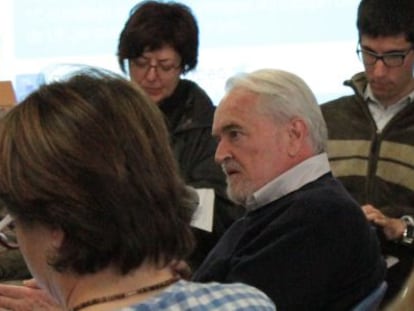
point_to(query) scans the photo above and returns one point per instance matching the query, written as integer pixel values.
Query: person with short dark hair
(303, 241)
(371, 133)
(157, 46)
(101, 213)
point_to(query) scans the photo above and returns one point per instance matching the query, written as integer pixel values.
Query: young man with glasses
(371, 133)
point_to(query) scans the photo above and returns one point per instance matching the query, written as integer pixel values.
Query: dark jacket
(309, 250)
(375, 167)
(189, 114)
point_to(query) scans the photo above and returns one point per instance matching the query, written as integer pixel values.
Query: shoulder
(196, 108)
(342, 112)
(197, 100)
(235, 296)
(341, 103)
(196, 90)
(358, 83)
(186, 295)
(325, 198)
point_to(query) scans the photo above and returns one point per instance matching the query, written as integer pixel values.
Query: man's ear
(298, 133)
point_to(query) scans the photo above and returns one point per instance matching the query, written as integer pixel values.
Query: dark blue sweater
(309, 250)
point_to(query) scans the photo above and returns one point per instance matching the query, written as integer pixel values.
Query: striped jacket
(375, 167)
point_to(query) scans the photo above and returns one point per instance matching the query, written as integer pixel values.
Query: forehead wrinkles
(234, 117)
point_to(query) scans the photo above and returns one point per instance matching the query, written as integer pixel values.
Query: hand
(393, 228)
(28, 297)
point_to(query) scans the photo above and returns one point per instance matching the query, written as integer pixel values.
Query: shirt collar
(291, 180)
(369, 97)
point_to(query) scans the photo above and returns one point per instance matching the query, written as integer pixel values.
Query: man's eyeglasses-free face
(392, 59)
(7, 233)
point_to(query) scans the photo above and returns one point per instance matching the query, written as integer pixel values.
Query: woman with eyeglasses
(157, 46)
(100, 212)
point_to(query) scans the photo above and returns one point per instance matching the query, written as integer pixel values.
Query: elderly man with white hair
(303, 240)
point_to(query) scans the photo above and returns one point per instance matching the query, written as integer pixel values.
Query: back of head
(285, 96)
(90, 156)
(386, 18)
(154, 24)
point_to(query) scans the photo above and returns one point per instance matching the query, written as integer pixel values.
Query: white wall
(314, 39)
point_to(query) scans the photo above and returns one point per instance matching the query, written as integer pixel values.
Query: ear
(57, 237)
(298, 133)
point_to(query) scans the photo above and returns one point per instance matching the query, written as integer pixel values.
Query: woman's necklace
(141, 290)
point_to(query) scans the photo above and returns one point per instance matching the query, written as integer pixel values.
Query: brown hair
(153, 24)
(91, 156)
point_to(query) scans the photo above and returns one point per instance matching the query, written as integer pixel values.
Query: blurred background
(314, 39)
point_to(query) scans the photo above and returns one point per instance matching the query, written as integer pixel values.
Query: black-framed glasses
(392, 59)
(7, 233)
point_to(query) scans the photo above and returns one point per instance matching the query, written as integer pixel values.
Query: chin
(157, 99)
(238, 195)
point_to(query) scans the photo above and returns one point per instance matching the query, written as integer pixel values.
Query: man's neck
(391, 101)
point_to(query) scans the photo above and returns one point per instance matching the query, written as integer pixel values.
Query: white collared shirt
(382, 114)
(291, 180)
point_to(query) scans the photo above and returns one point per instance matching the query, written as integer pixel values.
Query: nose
(151, 74)
(222, 152)
(379, 69)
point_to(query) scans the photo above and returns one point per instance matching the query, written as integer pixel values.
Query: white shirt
(291, 180)
(382, 114)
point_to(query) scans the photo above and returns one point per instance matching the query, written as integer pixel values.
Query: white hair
(284, 96)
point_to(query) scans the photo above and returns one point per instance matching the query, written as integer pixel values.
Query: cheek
(33, 243)
(266, 165)
(21, 237)
(272, 161)
(171, 85)
(407, 75)
(27, 248)
(254, 162)
(134, 77)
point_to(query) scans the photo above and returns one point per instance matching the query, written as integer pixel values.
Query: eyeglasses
(393, 59)
(7, 233)
(163, 70)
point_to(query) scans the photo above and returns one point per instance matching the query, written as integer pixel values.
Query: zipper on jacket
(372, 168)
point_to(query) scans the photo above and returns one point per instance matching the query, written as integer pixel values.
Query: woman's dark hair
(91, 156)
(152, 25)
(386, 18)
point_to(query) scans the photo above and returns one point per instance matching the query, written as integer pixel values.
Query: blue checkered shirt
(185, 295)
